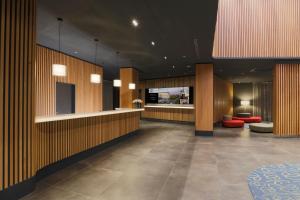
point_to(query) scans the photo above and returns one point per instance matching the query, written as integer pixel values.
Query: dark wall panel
(108, 95)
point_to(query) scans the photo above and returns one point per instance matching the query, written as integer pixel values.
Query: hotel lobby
(149, 100)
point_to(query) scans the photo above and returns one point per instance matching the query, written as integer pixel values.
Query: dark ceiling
(182, 30)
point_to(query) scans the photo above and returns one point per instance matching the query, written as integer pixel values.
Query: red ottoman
(256, 119)
(233, 123)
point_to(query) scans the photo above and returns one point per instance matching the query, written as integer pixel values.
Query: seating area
(254, 119)
(255, 122)
(266, 127)
(233, 123)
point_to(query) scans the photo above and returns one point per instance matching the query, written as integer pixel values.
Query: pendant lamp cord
(96, 51)
(60, 20)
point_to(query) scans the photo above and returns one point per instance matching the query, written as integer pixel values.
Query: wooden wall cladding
(168, 82)
(223, 98)
(17, 51)
(62, 139)
(88, 95)
(184, 115)
(168, 114)
(257, 29)
(286, 100)
(128, 75)
(204, 81)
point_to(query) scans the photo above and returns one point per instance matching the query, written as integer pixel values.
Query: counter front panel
(171, 112)
(58, 139)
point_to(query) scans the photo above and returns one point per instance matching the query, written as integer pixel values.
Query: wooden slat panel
(204, 97)
(223, 99)
(168, 82)
(16, 90)
(184, 115)
(257, 29)
(286, 100)
(68, 137)
(88, 95)
(2, 78)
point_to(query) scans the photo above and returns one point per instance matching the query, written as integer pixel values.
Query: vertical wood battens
(257, 29)
(223, 99)
(63, 139)
(88, 95)
(286, 100)
(2, 78)
(17, 41)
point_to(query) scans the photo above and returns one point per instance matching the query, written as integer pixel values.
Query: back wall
(88, 95)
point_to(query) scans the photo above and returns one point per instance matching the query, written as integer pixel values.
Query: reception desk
(62, 136)
(170, 112)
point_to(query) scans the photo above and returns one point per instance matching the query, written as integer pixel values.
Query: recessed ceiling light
(135, 23)
(165, 57)
(152, 43)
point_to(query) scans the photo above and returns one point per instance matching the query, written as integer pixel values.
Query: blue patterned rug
(275, 182)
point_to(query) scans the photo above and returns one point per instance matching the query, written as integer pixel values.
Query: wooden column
(17, 56)
(204, 101)
(286, 100)
(128, 75)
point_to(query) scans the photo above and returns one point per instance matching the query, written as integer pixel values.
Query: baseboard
(21, 189)
(204, 133)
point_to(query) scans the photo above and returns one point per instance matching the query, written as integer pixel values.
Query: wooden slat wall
(184, 115)
(62, 139)
(88, 95)
(223, 98)
(168, 114)
(286, 100)
(17, 52)
(257, 29)
(168, 82)
(128, 75)
(204, 97)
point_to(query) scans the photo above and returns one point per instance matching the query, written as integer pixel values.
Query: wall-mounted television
(173, 95)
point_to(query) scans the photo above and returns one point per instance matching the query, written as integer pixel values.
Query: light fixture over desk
(59, 69)
(96, 78)
(117, 83)
(131, 86)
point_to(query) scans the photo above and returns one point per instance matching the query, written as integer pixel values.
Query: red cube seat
(255, 119)
(233, 123)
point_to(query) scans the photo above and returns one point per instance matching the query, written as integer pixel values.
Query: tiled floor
(165, 161)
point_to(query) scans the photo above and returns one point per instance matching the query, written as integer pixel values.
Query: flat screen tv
(174, 95)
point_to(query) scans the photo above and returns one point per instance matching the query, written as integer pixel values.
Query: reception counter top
(42, 119)
(173, 106)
